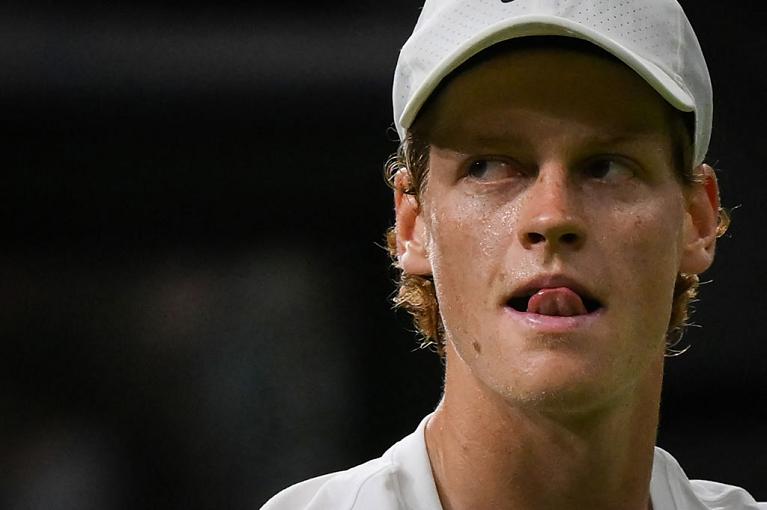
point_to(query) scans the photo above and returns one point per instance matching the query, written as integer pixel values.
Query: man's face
(554, 224)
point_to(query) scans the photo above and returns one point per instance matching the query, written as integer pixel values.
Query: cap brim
(538, 25)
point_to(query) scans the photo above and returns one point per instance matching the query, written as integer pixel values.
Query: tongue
(559, 301)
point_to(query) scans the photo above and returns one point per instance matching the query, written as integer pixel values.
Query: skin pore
(553, 169)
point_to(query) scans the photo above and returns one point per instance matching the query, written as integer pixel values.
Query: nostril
(566, 238)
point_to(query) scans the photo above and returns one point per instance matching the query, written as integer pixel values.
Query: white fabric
(653, 37)
(401, 479)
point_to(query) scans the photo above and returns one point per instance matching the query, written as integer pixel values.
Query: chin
(559, 382)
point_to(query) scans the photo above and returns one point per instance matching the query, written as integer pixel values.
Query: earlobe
(410, 230)
(703, 219)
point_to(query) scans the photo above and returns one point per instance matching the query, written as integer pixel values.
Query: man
(553, 212)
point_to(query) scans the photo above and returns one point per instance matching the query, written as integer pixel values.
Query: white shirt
(401, 479)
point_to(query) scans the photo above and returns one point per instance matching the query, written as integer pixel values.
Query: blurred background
(195, 304)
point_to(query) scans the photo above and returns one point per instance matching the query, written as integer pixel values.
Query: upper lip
(532, 286)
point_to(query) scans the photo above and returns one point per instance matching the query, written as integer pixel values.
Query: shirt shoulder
(720, 496)
(670, 488)
(343, 490)
(400, 479)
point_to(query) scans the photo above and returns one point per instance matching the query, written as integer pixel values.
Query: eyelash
(587, 169)
(630, 170)
(472, 170)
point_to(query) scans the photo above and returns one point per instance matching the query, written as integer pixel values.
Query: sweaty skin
(553, 169)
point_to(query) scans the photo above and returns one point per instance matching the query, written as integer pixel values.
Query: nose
(550, 217)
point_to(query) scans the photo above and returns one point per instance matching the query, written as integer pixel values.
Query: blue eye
(610, 170)
(489, 170)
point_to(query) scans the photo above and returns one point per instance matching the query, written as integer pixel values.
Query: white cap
(653, 37)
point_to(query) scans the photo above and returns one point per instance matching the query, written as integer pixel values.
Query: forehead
(550, 79)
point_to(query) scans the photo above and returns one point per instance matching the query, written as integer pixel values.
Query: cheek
(469, 229)
(655, 239)
(647, 258)
(467, 244)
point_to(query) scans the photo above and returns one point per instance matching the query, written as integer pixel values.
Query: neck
(489, 454)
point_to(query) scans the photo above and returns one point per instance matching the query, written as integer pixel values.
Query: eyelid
(493, 158)
(617, 158)
(620, 158)
(620, 169)
(486, 157)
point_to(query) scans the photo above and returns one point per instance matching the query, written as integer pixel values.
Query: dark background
(195, 304)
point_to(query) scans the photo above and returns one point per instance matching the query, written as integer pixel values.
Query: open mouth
(554, 301)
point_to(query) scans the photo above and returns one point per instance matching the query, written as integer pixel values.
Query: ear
(703, 219)
(410, 230)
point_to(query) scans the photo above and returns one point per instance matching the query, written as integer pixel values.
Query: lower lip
(554, 323)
